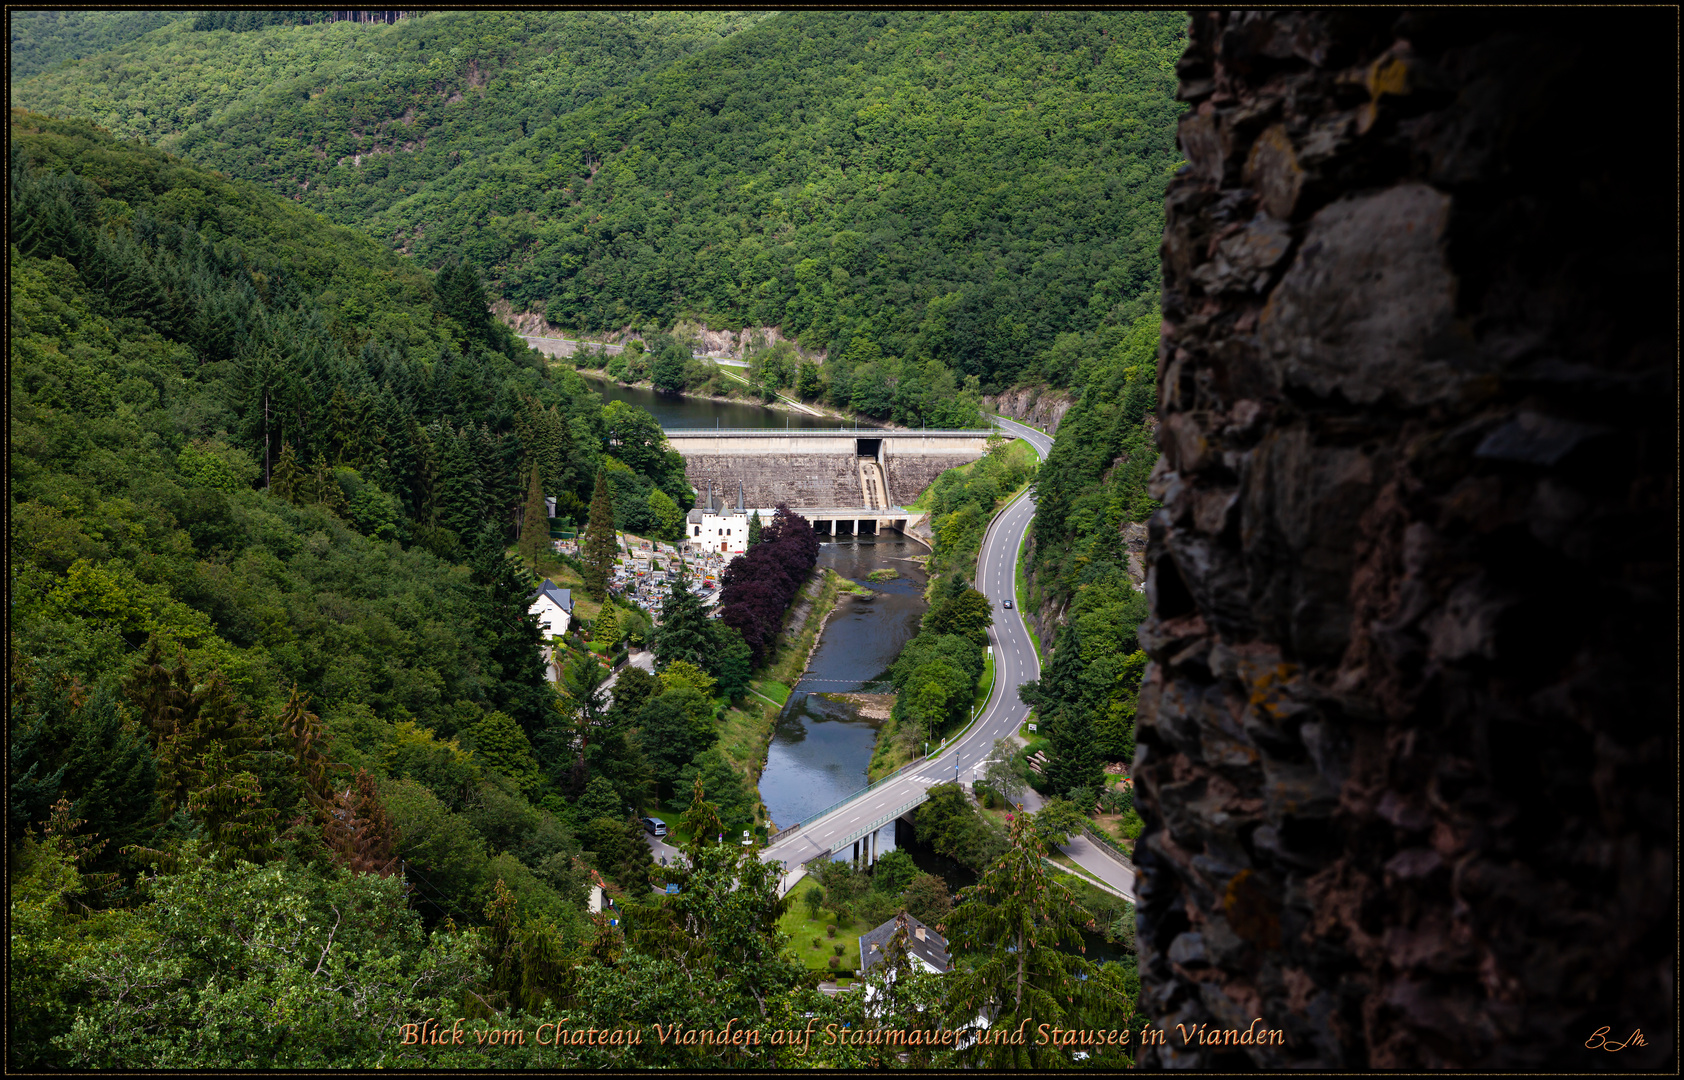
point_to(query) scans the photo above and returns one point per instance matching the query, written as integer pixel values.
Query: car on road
(655, 826)
(1007, 604)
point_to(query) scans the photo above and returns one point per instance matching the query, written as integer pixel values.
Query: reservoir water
(678, 411)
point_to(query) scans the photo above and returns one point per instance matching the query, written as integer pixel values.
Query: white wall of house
(552, 620)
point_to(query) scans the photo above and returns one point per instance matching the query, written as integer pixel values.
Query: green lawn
(803, 930)
(677, 836)
(984, 683)
(773, 689)
(1023, 606)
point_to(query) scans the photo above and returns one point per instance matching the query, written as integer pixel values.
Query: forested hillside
(285, 770)
(285, 783)
(1092, 484)
(42, 40)
(333, 669)
(919, 185)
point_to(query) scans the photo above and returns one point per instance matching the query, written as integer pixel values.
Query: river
(820, 748)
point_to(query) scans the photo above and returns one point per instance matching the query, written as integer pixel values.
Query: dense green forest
(962, 188)
(1092, 484)
(42, 40)
(286, 773)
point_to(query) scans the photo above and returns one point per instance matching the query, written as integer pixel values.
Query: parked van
(656, 826)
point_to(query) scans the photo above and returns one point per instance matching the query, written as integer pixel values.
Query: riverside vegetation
(281, 740)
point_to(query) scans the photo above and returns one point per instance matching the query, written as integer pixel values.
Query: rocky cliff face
(1407, 750)
(732, 344)
(1036, 406)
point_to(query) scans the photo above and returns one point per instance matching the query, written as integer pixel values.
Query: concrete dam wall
(823, 468)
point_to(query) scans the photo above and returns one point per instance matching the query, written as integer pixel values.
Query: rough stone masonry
(1407, 750)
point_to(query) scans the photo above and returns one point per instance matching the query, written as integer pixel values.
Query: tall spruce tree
(510, 630)
(287, 480)
(684, 633)
(754, 528)
(1075, 761)
(1015, 919)
(600, 547)
(535, 522)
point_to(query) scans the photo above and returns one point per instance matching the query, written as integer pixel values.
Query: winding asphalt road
(1015, 662)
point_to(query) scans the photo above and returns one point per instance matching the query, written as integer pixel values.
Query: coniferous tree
(206, 753)
(357, 829)
(600, 546)
(325, 490)
(310, 747)
(701, 820)
(460, 490)
(287, 481)
(1017, 916)
(684, 632)
(535, 523)
(582, 708)
(510, 630)
(345, 430)
(607, 626)
(754, 528)
(64, 740)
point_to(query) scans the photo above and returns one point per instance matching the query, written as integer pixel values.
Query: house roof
(563, 598)
(932, 949)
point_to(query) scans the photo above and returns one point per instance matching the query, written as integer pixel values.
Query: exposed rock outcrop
(731, 344)
(1407, 748)
(1036, 406)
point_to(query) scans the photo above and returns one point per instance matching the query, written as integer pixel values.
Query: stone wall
(827, 480)
(799, 480)
(1407, 749)
(909, 474)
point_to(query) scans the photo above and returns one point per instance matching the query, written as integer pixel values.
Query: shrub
(1131, 826)
(835, 960)
(830, 930)
(818, 943)
(839, 949)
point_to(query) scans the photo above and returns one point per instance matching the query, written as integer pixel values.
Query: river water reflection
(820, 748)
(678, 411)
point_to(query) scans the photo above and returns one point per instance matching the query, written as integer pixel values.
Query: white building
(554, 608)
(715, 527)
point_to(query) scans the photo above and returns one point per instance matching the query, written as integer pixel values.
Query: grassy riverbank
(746, 729)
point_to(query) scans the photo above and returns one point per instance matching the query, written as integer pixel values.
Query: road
(1015, 662)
